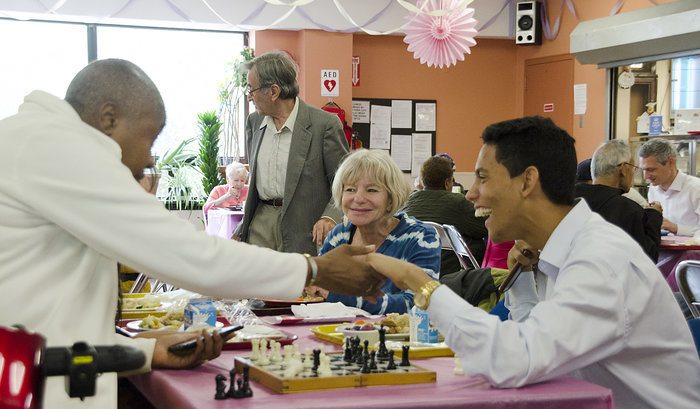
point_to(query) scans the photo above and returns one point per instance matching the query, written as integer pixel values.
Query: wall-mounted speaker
(528, 25)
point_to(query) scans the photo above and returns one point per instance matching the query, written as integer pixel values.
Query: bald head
(119, 82)
(118, 99)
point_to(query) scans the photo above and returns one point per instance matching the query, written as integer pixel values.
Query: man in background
(675, 192)
(613, 173)
(293, 152)
(437, 203)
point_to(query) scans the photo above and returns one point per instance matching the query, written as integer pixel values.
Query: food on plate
(172, 320)
(308, 298)
(363, 327)
(140, 303)
(396, 323)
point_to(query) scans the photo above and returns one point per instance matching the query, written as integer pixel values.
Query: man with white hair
(677, 193)
(612, 171)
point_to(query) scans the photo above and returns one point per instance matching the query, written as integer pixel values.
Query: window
(685, 83)
(188, 66)
(40, 55)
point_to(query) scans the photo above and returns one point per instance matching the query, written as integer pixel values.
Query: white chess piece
(324, 369)
(263, 360)
(255, 351)
(287, 354)
(458, 366)
(295, 367)
(308, 361)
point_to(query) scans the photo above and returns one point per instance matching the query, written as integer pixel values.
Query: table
(671, 252)
(186, 389)
(223, 222)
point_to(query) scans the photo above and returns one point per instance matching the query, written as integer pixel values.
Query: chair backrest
(688, 279)
(460, 247)
(446, 244)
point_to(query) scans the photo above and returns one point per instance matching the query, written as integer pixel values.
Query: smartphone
(184, 348)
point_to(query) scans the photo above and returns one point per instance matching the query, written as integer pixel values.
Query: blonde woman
(370, 189)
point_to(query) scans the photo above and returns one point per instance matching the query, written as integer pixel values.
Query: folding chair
(446, 243)
(460, 247)
(688, 279)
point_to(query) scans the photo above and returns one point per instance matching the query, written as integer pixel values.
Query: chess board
(344, 375)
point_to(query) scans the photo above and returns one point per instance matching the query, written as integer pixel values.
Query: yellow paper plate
(328, 333)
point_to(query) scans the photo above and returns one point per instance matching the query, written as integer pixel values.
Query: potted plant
(230, 96)
(210, 129)
(176, 168)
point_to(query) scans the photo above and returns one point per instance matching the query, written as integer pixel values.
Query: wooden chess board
(344, 375)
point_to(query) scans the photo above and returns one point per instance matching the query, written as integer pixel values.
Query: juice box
(199, 313)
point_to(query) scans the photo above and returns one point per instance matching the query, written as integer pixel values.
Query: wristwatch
(422, 297)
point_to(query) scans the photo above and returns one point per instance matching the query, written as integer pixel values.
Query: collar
(289, 123)
(556, 250)
(677, 184)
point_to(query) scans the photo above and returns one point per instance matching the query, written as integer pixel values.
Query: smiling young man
(597, 308)
(677, 193)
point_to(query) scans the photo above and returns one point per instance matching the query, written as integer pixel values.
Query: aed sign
(548, 107)
(330, 83)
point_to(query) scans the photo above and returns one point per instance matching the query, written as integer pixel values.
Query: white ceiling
(246, 15)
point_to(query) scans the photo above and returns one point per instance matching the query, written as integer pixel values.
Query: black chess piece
(220, 387)
(347, 357)
(365, 364)
(382, 352)
(232, 389)
(246, 392)
(404, 356)
(317, 359)
(373, 362)
(392, 364)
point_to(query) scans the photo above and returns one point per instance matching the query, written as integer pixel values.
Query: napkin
(327, 310)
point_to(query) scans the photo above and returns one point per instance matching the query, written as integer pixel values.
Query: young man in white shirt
(677, 194)
(597, 308)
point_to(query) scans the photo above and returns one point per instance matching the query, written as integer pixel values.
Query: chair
(460, 247)
(446, 244)
(688, 279)
(694, 325)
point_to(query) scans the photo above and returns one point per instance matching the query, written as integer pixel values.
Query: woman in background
(370, 188)
(233, 193)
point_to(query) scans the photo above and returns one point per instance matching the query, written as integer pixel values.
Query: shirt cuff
(684, 230)
(445, 305)
(146, 345)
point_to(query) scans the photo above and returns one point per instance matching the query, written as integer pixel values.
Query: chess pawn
(325, 367)
(392, 364)
(308, 362)
(263, 359)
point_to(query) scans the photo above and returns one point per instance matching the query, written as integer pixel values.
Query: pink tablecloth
(222, 222)
(195, 389)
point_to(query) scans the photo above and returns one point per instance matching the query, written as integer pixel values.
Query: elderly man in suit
(293, 151)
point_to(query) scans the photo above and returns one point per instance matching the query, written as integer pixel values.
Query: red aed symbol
(329, 84)
(549, 107)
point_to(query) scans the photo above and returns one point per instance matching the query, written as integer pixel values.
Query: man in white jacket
(71, 208)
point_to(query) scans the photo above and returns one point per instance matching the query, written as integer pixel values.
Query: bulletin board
(406, 128)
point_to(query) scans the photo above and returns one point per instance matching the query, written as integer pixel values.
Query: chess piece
(263, 359)
(317, 359)
(458, 366)
(347, 356)
(404, 356)
(365, 364)
(220, 387)
(372, 362)
(246, 392)
(308, 363)
(255, 351)
(324, 368)
(382, 352)
(232, 389)
(392, 364)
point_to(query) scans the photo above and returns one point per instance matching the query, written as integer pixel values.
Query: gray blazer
(318, 146)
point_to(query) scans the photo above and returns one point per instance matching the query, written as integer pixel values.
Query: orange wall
(314, 51)
(470, 95)
(487, 87)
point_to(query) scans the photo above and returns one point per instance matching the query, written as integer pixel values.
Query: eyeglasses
(249, 91)
(631, 164)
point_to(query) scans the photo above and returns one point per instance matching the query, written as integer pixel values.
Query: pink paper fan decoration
(440, 40)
